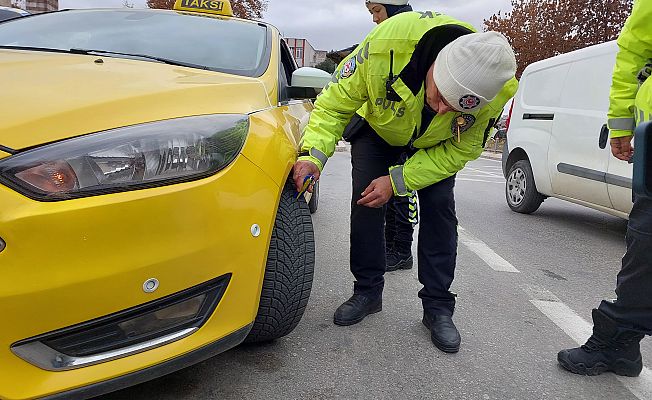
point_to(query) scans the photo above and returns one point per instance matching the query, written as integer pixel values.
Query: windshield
(219, 44)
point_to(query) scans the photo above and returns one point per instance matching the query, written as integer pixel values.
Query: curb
(491, 155)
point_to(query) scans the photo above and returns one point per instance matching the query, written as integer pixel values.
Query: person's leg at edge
(619, 326)
(437, 253)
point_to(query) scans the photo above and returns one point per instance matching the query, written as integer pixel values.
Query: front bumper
(156, 371)
(74, 261)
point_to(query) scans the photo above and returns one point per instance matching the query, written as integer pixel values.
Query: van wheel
(520, 189)
(289, 270)
(313, 204)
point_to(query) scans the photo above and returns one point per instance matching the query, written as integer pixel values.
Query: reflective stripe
(621, 124)
(396, 175)
(323, 158)
(413, 214)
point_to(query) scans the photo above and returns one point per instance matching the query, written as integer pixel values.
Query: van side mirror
(604, 136)
(307, 83)
(643, 160)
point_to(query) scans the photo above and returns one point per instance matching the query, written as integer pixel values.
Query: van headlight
(130, 158)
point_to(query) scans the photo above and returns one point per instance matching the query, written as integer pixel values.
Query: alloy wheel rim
(516, 187)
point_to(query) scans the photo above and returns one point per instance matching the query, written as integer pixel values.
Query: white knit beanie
(471, 70)
(390, 2)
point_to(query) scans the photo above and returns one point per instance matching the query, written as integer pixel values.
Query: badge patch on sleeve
(463, 123)
(348, 68)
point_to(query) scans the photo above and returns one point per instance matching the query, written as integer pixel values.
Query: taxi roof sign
(219, 7)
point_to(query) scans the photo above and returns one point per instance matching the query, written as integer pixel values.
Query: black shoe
(443, 332)
(356, 308)
(610, 348)
(396, 261)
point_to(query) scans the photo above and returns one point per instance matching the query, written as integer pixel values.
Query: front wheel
(289, 270)
(520, 189)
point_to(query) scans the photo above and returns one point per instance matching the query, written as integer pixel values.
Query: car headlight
(134, 157)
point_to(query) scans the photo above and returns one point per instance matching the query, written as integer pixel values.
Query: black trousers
(633, 307)
(371, 158)
(399, 219)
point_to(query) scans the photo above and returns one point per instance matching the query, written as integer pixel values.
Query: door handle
(604, 136)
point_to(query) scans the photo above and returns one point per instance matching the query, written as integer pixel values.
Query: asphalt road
(526, 285)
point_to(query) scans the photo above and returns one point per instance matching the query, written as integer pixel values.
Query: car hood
(46, 97)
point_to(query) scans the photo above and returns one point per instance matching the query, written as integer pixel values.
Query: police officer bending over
(424, 83)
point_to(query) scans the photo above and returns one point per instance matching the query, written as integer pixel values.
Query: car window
(542, 88)
(588, 82)
(220, 44)
(288, 66)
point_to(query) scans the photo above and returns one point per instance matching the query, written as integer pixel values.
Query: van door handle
(604, 136)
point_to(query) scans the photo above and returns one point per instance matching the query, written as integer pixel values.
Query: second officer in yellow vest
(620, 325)
(425, 83)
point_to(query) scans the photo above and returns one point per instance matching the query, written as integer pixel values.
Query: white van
(557, 141)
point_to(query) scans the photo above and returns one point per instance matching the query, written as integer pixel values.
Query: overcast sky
(335, 24)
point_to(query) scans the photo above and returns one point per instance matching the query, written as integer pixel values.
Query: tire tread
(289, 271)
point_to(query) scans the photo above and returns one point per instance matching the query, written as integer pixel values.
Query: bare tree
(248, 9)
(539, 29)
(127, 4)
(166, 4)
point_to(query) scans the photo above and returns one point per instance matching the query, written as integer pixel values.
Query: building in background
(304, 54)
(320, 56)
(33, 6)
(40, 6)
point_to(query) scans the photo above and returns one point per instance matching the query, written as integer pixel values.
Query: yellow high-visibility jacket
(359, 83)
(635, 43)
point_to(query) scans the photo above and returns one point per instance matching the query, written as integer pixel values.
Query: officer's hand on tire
(378, 193)
(621, 148)
(302, 169)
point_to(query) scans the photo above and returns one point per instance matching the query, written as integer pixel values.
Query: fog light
(128, 332)
(160, 320)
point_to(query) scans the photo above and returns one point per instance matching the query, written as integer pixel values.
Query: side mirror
(307, 83)
(643, 160)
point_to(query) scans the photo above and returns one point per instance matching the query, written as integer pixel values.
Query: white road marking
(478, 180)
(471, 174)
(479, 171)
(496, 262)
(580, 330)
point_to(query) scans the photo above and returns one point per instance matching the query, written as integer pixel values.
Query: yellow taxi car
(146, 217)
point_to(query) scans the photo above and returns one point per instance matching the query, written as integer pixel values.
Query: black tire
(505, 158)
(313, 204)
(520, 190)
(289, 270)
